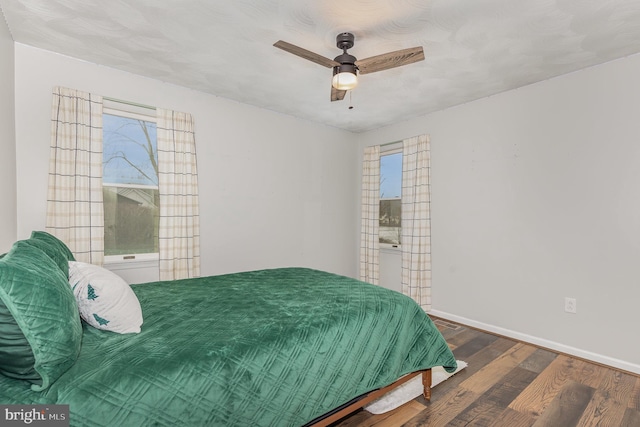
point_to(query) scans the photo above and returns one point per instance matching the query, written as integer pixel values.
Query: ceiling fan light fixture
(344, 77)
(346, 67)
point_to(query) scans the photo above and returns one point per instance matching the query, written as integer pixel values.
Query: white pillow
(105, 300)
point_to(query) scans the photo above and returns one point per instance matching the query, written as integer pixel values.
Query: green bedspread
(272, 347)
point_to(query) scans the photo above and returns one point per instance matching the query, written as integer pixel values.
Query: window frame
(136, 112)
(392, 148)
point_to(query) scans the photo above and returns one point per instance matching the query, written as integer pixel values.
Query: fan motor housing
(345, 58)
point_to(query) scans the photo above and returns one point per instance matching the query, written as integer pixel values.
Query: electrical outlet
(570, 305)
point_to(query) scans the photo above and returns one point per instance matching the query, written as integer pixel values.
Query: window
(130, 184)
(390, 198)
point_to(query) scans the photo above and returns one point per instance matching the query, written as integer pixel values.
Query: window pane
(130, 158)
(390, 226)
(390, 198)
(131, 218)
(391, 176)
(130, 152)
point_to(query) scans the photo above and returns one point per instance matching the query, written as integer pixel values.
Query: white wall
(536, 197)
(7, 140)
(274, 191)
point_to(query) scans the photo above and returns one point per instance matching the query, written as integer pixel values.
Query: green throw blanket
(263, 348)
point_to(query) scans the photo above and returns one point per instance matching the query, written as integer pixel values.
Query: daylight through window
(130, 183)
(390, 198)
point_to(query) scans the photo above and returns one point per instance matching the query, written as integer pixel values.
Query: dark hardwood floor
(513, 384)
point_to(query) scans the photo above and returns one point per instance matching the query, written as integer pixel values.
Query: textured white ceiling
(473, 48)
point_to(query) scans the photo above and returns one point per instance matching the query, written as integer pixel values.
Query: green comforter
(272, 347)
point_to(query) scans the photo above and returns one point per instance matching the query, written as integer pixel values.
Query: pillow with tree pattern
(104, 299)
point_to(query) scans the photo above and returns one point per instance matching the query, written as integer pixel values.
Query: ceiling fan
(346, 67)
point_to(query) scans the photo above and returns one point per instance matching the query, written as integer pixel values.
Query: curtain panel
(179, 229)
(370, 220)
(416, 220)
(74, 197)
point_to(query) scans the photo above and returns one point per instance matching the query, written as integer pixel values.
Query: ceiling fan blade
(390, 60)
(337, 95)
(306, 54)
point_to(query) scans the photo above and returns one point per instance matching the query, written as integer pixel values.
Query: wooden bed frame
(373, 395)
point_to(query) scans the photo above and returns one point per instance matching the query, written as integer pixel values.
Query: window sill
(120, 262)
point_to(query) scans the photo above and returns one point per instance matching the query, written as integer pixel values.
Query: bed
(277, 347)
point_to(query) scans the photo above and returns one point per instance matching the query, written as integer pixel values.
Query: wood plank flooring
(513, 384)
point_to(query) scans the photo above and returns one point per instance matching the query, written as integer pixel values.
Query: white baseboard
(541, 342)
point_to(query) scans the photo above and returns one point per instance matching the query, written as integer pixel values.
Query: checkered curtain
(179, 234)
(74, 199)
(416, 221)
(369, 239)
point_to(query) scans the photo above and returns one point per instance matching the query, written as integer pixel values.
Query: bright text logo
(34, 415)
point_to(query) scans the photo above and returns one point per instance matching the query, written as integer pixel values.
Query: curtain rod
(400, 141)
(135, 104)
(390, 143)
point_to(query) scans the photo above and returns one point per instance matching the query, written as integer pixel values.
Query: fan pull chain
(350, 100)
